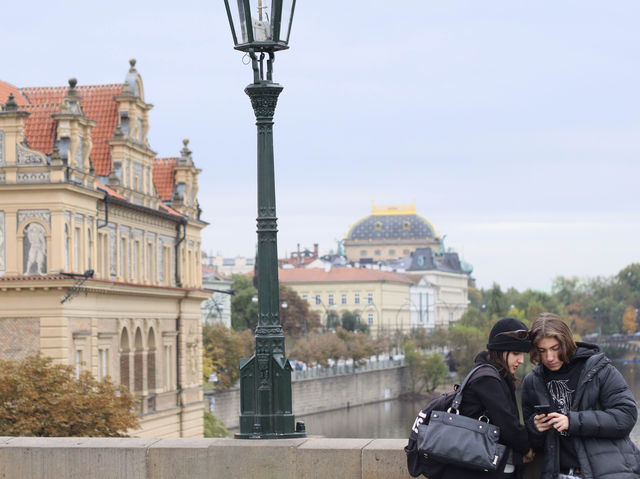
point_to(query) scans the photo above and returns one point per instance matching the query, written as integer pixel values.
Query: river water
(393, 419)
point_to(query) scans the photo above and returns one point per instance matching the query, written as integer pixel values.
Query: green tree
(466, 342)
(296, 318)
(497, 302)
(244, 310)
(349, 320)
(224, 347)
(214, 427)
(434, 371)
(415, 366)
(40, 398)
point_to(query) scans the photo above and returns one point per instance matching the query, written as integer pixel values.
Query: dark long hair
(498, 359)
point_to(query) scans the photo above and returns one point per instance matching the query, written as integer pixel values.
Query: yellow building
(378, 297)
(100, 246)
(388, 233)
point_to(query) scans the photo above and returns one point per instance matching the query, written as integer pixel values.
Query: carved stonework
(2, 243)
(27, 157)
(25, 215)
(35, 249)
(2, 148)
(77, 159)
(37, 177)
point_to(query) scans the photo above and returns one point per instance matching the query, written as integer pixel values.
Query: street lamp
(260, 28)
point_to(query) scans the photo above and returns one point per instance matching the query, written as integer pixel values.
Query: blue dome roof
(401, 226)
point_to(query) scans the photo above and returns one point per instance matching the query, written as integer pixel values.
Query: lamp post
(260, 28)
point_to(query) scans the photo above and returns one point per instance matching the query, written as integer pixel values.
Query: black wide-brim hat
(511, 342)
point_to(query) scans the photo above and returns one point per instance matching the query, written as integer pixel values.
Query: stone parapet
(193, 458)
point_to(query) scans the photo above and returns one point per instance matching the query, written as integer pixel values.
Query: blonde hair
(549, 325)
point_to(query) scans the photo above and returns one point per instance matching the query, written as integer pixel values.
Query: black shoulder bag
(466, 442)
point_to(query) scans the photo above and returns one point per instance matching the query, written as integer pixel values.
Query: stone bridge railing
(134, 458)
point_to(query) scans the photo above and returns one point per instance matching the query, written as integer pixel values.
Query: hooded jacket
(603, 413)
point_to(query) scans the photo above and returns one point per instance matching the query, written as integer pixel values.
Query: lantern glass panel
(261, 20)
(285, 21)
(263, 25)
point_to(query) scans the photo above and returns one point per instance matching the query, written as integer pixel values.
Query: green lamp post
(260, 28)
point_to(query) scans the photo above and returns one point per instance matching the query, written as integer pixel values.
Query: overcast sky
(515, 126)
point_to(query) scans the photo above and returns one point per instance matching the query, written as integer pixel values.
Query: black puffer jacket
(603, 413)
(495, 398)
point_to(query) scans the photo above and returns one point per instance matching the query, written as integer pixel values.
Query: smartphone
(542, 409)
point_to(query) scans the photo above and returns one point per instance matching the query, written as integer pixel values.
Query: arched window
(34, 249)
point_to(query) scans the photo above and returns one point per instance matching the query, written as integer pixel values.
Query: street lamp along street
(260, 28)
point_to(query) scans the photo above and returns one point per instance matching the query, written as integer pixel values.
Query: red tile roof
(111, 192)
(6, 89)
(338, 275)
(98, 103)
(163, 176)
(170, 210)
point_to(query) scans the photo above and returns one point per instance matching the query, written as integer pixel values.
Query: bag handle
(455, 405)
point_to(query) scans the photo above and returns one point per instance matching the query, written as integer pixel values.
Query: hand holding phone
(542, 409)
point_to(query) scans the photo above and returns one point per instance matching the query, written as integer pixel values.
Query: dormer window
(406, 226)
(378, 226)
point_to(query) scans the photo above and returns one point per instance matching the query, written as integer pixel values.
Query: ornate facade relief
(35, 249)
(27, 157)
(35, 177)
(78, 156)
(25, 215)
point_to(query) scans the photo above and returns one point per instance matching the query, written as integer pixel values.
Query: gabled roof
(163, 177)
(98, 103)
(338, 275)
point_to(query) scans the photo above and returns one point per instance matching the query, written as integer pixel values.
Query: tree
(629, 321)
(415, 366)
(40, 398)
(224, 347)
(497, 303)
(349, 320)
(244, 310)
(435, 369)
(466, 342)
(214, 427)
(296, 318)
(359, 346)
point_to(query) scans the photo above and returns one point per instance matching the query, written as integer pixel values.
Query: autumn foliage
(40, 398)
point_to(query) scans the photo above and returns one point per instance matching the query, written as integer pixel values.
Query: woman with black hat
(494, 396)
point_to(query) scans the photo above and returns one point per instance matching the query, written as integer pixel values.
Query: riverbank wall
(323, 393)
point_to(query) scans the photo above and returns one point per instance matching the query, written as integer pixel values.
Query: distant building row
(394, 273)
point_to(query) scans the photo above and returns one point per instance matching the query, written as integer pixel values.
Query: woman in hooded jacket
(586, 434)
(494, 396)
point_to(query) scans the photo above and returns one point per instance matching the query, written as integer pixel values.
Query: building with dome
(388, 233)
(100, 246)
